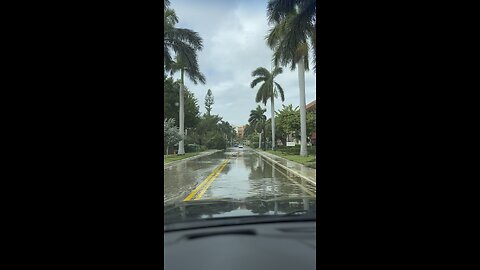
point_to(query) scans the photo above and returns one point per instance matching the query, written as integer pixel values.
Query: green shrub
(190, 148)
(217, 142)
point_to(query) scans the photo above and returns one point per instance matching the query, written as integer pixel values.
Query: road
(237, 173)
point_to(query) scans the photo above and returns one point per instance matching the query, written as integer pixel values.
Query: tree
(185, 43)
(227, 130)
(213, 132)
(311, 122)
(207, 128)
(192, 70)
(170, 131)
(209, 101)
(268, 90)
(291, 37)
(248, 130)
(171, 103)
(257, 120)
(289, 120)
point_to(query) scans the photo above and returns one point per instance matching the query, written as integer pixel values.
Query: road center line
(211, 181)
(194, 192)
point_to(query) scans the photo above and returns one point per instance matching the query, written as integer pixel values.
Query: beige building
(312, 106)
(240, 132)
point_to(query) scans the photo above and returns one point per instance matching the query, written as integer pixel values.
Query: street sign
(290, 143)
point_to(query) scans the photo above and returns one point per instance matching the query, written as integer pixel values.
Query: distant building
(312, 107)
(240, 132)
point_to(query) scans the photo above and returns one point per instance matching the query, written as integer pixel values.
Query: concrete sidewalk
(173, 163)
(299, 169)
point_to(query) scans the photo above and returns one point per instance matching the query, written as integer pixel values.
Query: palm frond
(280, 90)
(261, 71)
(308, 10)
(260, 94)
(195, 76)
(276, 33)
(187, 36)
(186, 56)
(169, 18)
(288, 37)
(313, 41)
(277, 9)
(256, 81)
(276, 71)
(269, 90)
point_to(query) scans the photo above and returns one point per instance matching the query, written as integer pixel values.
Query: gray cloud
(234, 45)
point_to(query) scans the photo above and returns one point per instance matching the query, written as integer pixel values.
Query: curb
(173, 163)
(313, 182)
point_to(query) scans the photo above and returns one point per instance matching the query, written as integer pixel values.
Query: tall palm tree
(185, 43)
(193, 72)
(257, 120)
(291, 38)
(268, 90)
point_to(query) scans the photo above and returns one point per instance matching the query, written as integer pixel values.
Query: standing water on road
(237, 173)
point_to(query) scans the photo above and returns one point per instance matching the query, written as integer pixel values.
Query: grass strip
(171, 158)
(309, 160)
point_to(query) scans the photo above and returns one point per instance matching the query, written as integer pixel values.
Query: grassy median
(170, 158)
(292, 153)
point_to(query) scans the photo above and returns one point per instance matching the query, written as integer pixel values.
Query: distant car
(235, 145)
(240, 146)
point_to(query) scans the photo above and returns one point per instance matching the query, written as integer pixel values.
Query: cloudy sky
(234, 45)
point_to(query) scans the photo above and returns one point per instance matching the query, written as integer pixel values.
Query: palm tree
(257, 120)
(194, 74)
(291, 38)
(268, 90)
(179, 40)
(185, 43)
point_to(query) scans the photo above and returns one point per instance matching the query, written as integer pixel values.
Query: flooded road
(237, 173)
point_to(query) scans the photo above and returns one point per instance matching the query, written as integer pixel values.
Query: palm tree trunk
(181, 149)
(260, 140)
(273, 124)
(303, 113)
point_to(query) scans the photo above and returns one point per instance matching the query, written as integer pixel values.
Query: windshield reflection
(209, 209)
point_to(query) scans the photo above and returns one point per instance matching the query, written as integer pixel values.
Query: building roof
(312, 105)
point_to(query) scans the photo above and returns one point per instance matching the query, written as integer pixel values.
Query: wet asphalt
(236, 173)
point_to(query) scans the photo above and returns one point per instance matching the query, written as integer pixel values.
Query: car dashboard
(277, 245)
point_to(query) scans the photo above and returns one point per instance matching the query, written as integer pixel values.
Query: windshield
(239, 110)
